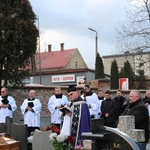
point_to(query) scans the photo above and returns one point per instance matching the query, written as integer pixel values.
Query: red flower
(47, 128)
(55, 129)
(69, 139)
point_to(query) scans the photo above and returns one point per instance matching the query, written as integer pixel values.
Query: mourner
(92, 101)
(31, 108)
(56, 102)
(7, 105)
(79, 117)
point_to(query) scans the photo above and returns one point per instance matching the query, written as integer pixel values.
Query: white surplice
(53, 102)
(66, 128)
(93, 101)
(4, 112)
(148, 109)
(32, 119)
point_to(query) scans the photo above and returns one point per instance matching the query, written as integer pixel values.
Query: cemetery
(100, 137)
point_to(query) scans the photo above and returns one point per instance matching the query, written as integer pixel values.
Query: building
(139, 60)
(62, 67)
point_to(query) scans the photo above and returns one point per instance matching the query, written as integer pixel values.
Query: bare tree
(133, 34)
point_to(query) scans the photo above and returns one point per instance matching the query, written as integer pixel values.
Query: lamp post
(39, 50)
(96, 41)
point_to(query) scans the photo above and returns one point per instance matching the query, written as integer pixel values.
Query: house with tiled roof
(61, 67)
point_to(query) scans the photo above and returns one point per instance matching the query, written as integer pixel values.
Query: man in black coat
(120, 104)
(108, 110)
(146, 99)
(137, 108)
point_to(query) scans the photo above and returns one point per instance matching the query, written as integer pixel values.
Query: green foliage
(121, 73)
(114, 80)
(99, 67)
(18, 39)
(128, 73)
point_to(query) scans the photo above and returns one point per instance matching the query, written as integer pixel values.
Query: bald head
(32, 94)
(4, 91)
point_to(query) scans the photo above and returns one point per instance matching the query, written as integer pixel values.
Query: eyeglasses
(70, 94)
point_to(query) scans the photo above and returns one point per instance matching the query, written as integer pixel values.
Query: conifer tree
(121, 73)
(114, 80)
(99, 67)
(128, 73)
(18, 39)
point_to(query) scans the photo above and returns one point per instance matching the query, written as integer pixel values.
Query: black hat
(71, 88)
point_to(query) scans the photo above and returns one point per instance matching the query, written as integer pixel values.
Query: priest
(7, 105)
(79, 116)
(31, 108)
(92, 101)
(57, 101)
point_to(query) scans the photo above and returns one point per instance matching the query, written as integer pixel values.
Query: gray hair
(137, 92)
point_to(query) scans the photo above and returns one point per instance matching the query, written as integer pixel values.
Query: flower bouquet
(61, 141)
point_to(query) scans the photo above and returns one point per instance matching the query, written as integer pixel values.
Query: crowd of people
(83, 106)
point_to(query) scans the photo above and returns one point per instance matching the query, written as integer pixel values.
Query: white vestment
(93, 102)
(32, 119)
(4, 112)
(53, 102)
(148, 109)
(66, 128)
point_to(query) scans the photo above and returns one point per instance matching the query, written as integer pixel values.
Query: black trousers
(31, 129)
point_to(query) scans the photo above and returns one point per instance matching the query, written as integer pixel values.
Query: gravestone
(41, 140)
(2, 128)
(8, 125)
(5, 127)
(127, 125)
(19, 133)
(108, 138)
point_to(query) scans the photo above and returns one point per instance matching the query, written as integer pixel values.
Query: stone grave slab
(41, 140)
(8, 125)
(19, 133)
(2, 128)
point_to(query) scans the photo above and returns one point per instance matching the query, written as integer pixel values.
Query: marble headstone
(19, 133)
(41, 140)
(126, 123)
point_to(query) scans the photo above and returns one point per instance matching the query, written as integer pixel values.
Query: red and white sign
(80, 81)
(123, 84)
(63, 78)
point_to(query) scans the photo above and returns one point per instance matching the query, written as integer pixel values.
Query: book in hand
(30, 104)
(5, 101)
(65, 109)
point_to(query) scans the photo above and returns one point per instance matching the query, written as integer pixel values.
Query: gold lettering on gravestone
(115, 145)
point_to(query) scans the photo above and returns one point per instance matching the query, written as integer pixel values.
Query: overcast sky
(67, 21)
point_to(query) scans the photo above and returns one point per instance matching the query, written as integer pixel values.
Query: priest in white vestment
(92, 101)
(56, 102)
(31, 108)
(7, 105)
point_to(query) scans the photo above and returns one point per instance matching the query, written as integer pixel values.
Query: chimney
(61, 46)
(49, 48)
